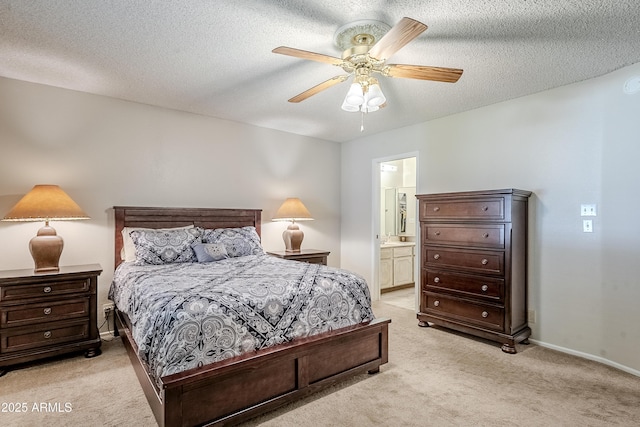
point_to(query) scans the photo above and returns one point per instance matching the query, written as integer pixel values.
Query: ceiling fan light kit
(366, 46)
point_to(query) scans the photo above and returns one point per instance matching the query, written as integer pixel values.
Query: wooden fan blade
(438, 74)
(319, 88)
(298, 53)
(398, 36)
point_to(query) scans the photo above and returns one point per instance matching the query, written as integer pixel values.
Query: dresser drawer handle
(47, 334)
(485, 314)
(436, 209)
(47, 310)
(437, 233)
(485, 208)
(436, 303)
(47, 289)
(485, 261)
(485, 235)
(436, 256)
(436, 280)
(484, 288)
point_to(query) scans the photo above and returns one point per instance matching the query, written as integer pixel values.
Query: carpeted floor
(434, 378)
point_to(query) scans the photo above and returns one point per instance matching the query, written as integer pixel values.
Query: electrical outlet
(107, 308)
(531, 316)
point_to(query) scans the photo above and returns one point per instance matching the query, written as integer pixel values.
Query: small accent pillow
(237, 241)
(209, 252)
(165, 246)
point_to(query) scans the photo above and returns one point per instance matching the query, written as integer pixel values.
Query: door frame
(375, 220)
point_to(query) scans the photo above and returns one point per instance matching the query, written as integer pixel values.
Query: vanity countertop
(396, 244)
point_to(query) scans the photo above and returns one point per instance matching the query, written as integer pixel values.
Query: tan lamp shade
(44, 203)
(292, 210)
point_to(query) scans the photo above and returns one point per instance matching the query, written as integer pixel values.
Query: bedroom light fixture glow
(292, 210)
(364, 95)
(45, 203)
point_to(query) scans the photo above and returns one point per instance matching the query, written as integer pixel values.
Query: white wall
(105, 152)
(571, 145)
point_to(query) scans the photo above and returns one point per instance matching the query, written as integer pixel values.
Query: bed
(240, 387)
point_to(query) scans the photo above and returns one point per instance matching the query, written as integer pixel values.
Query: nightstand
(313, 256)
(48, 314)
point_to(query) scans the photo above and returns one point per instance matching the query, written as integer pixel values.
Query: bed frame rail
(237, 389)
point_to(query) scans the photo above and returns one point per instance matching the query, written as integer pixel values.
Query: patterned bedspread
(186, 315)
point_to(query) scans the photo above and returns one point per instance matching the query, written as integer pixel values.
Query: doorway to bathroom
(395, 257)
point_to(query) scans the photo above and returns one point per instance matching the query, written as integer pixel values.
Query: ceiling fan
(366, 46)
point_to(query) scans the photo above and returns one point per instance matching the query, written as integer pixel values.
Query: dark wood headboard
(151, 217)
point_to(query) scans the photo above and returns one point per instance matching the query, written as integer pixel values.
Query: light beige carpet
(434, 378)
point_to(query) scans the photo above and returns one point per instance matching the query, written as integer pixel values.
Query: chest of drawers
(474, 264)
(47, 314)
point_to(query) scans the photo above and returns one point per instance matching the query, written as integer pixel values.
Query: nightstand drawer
(17, 339)
(44, 312)
(44, 289)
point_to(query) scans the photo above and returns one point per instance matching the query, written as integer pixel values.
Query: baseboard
(588, 357)
(106, 335)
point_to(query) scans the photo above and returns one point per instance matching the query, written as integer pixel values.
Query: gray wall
(105, 152)
(571, 145)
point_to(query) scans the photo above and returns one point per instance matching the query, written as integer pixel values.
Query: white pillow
(128, 251)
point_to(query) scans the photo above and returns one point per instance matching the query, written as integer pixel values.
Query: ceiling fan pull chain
(362, 122)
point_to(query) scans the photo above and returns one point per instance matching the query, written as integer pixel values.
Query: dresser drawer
(44, 312)
(477, 261)
(488, 288)
(44, 289)
(484, 315)
(17, 339)
(488, 209)
(490, 236)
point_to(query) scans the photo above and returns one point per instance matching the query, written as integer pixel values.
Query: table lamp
(46, 203)
(292, 210)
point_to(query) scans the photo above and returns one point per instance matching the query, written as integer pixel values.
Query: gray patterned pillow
(165, 246)
(237, 241)
(209, 252)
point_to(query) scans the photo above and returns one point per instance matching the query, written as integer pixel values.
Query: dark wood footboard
(237, 389)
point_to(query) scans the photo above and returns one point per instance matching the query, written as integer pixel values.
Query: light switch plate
(587, 210)
(587, 226)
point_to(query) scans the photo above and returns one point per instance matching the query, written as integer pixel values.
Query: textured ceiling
(214, 58)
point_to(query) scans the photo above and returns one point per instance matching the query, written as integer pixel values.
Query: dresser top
(513, 191)
(69, 269)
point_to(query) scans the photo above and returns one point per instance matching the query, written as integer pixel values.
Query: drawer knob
(436, 209)
(436, 256)
(485, 261)
(484, 288)
(436, 303)
(437, 233)
(485, 208)
(485, 314)
(436, 280)
(485, 235)
(47, 289)
(47, 310)
(47, 334)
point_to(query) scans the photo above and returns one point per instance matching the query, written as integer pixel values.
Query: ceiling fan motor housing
(362, 33)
